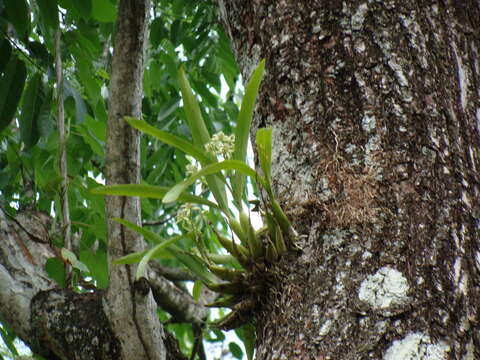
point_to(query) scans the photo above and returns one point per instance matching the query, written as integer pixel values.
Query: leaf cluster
(249, 249)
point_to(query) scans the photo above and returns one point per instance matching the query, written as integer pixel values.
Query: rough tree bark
(129, 306)
(376, 116)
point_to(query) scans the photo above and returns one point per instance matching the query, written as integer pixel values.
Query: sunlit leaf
(154, 252)
(104, 11)
(175, 192)
(200, 134)
(242, 129)
(263, 140)
(72, 259)
(167, 138)
(149, 191)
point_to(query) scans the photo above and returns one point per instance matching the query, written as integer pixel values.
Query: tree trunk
(376, 116)
(129, 306)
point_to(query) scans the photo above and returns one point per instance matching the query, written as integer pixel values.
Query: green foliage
(181, 31)
(12, 81)
(263, 246)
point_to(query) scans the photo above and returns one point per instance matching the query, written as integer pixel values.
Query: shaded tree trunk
(376, 116)
(130, 307)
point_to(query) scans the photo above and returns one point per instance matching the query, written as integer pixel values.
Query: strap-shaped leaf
(154, 252)
(263, 140)
(193, 114)
(174, 193)
(149, 191)
(200, 136)
(169, 139)
(242, 130)
(192, 262)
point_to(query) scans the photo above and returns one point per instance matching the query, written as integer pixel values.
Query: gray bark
(130, 309)
(376, 116)
(59, 323)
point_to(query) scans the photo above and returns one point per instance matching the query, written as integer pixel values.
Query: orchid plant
(220, 162)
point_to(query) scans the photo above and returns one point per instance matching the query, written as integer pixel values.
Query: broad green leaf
(72, 259)
(32, 103)
(98, 266)
(246, 333)
(55, 268)
(18, 14)
(242, 130)
(80, 107)
(11, 88)
(175, 192)
(45, 119)
(263, 140)
(157, 31)
(149, 191)
(6, 51)
(49, 12)
(235, 350)
(84, 7)
(104, 11)
(169, 139)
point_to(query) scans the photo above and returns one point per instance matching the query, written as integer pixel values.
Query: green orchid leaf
(263, 140)
(147, 234)
(200, 136)
(155, 252)
(174, 193)
(129, 259)
(242, 130)
(169, 139)
(149, 191)
(193, 114)
(191, 262)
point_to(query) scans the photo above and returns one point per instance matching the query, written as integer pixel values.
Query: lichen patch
(385, 292)
(416, 346)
